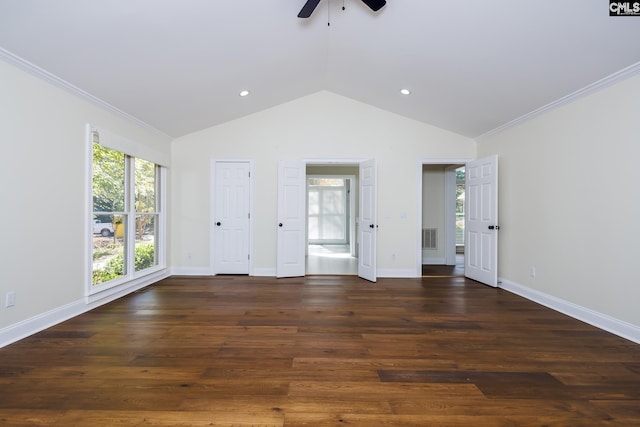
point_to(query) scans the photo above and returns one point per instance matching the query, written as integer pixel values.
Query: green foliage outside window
(144, 258)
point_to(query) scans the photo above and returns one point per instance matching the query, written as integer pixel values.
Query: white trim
(592, 317)
(450, 184)
(42, 321)
(433, 261)
(190, 271)
(406, 273)
(48, 77)
(132, 148)
(333, 161)
(126, 288)
(163, 231)
(461, 161)
(88, 212)
(611, 79)
(264, 272)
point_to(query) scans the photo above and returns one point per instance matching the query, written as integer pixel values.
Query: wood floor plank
(320, 351)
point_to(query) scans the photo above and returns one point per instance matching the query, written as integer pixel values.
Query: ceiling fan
(310, 6)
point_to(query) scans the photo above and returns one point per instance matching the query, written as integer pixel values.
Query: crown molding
(33, 69)
(610, 80)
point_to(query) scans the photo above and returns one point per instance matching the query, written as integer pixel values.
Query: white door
(368, 221)
(481, 220)
(231, 217)
(291, 245)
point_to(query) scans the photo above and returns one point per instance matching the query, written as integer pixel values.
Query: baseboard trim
(434, 261)
(205, 271)
(40, 322)
(190, 271)
(264, 272)
(599, 320)
(397, 273)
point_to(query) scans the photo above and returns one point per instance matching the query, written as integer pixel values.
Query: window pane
(333, 200)
(146, 242)
(314, 207)
(314, 232)
(108, 179)
(327, 182)
(108, 249)
(327, 211)
(145, 186)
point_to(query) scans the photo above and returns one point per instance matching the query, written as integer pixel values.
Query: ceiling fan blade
(308, 8)
(375, 5)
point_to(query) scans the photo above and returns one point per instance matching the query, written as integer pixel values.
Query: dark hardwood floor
(321, 351)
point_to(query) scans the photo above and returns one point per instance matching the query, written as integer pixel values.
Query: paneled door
(231, 219)
(368, 225)
(481, 220)
(291, 238)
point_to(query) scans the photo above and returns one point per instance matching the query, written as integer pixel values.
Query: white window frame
(351, 205)
(132, 279)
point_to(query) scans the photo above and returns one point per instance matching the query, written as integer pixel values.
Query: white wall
(319, 126)
(433, 210)
(569, 203)
(42, 188)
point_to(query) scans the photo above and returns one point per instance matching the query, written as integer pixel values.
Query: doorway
(442, 226)
(331, 219)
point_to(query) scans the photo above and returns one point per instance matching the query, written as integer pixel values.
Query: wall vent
(429, 238)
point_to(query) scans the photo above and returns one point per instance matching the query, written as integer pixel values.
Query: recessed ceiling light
(405, 91)
(244, 93)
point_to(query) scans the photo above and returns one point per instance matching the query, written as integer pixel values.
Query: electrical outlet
(10, 299)
(532, 272)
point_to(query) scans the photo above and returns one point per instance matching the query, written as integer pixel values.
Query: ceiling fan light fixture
(310, 6)
(244, 93)
(375, 5)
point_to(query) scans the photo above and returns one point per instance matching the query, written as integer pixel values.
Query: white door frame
(418, 233)
(450, 183)
(212, 210)
(343, 162)
(353, 201)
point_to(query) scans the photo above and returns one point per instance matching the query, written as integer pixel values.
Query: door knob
(491, 227)
(218, 223)
(494, 227)
(280, 225)
(371, 226)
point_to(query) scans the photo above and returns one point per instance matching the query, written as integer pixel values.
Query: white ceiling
(178, 65)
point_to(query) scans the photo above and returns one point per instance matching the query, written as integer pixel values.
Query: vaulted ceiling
(179, 65)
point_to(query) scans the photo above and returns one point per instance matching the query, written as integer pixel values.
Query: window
(327, 210)
(126, 216)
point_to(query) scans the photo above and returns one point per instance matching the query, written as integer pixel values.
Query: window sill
(122, 287)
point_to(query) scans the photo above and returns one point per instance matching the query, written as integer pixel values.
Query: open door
(368, 221)
(291, 239)
(481, 220)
